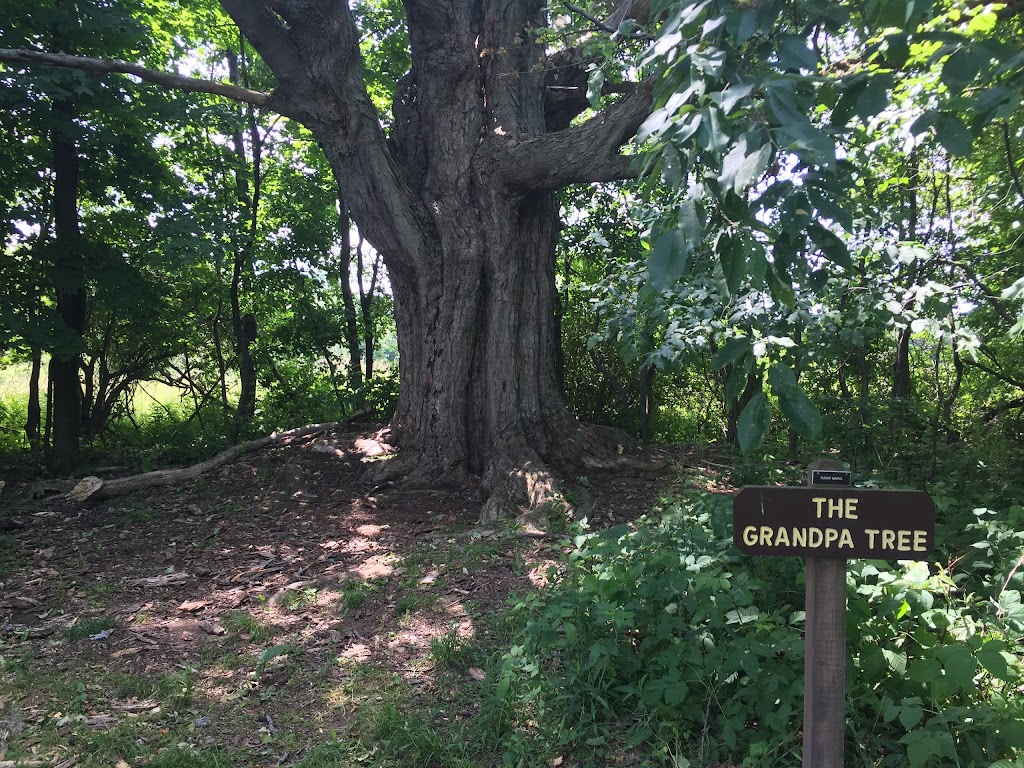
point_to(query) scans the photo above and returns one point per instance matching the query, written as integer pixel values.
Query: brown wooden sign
(833, 522)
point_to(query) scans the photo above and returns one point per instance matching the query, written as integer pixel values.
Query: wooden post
(824, 655)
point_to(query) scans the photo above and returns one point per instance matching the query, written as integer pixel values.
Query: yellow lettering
(818, 501)
(782, 538)
(871, 532)
(750, 535)
(766, 536)
(814, 537)
(903, 541)
(845, 539)
(831, 534)
(851, 508)
(835, 508)
(888, 539)
(920, 541)
(799, 537)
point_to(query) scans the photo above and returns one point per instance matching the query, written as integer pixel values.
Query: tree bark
(460, 202)
(69, 271)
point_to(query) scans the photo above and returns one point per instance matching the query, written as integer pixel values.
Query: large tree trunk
(460, 201)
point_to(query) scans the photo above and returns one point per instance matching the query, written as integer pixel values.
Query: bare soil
(256, 610)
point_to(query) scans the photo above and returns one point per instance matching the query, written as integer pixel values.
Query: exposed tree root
(95, 488)
(519, 484)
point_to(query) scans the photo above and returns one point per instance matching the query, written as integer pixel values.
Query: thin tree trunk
(34, 419)
(65, 361)
(355, 371)
(647, 404)
(244, 324)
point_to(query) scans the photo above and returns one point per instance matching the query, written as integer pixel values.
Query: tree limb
(94, 488)
(584, 153)
(1011, 161)
(157, 77)
(312, 47)
(603, 26)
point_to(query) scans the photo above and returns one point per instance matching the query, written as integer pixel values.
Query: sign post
(824, 651)
(827, 524)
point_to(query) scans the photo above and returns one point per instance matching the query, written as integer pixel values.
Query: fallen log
(95, 488)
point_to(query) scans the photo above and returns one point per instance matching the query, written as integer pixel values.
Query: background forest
(822, 253)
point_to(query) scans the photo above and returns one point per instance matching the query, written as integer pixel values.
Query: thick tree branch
(604, 26)
(106, 66)
(585, 153)
(312, 47)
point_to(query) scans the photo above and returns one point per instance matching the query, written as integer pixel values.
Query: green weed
(354, 593)
(240, 622)
(184, 757)
(90, 627)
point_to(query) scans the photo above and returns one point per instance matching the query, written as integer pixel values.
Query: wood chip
(192, 606)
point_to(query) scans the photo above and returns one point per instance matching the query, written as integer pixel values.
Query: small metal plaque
(831, 477)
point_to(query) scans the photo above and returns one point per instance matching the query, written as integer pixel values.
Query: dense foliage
(663, 636)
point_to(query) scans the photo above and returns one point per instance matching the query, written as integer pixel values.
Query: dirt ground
(256, 610)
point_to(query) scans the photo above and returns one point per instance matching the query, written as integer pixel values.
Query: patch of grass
(409, 603)
(96, 593)
(334, 754)
(451, 650)
(354, 594)
(240, 622)
(184, 757)
(175, 689)
(89, 627)
(297, 600)
(143, 515)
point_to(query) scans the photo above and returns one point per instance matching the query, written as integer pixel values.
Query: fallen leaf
(192, 606)
(476, 673)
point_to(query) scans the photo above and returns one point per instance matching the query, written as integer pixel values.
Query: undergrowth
(663, 640)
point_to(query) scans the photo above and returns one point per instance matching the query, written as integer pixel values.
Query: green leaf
(801, 413)
(675, 694)
(911, 714)
(954, 135)
(831, 245)
(754, 423)
(996, 661)
(795, 55)
(875, 96)
(737, 380)
(959, 667)
(666, 263)
(781, 290)
(751, 169)
(730, 352)
(733, 259)
(960, 69)
(781, 379)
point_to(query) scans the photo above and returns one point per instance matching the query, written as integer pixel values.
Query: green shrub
(666, 637)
